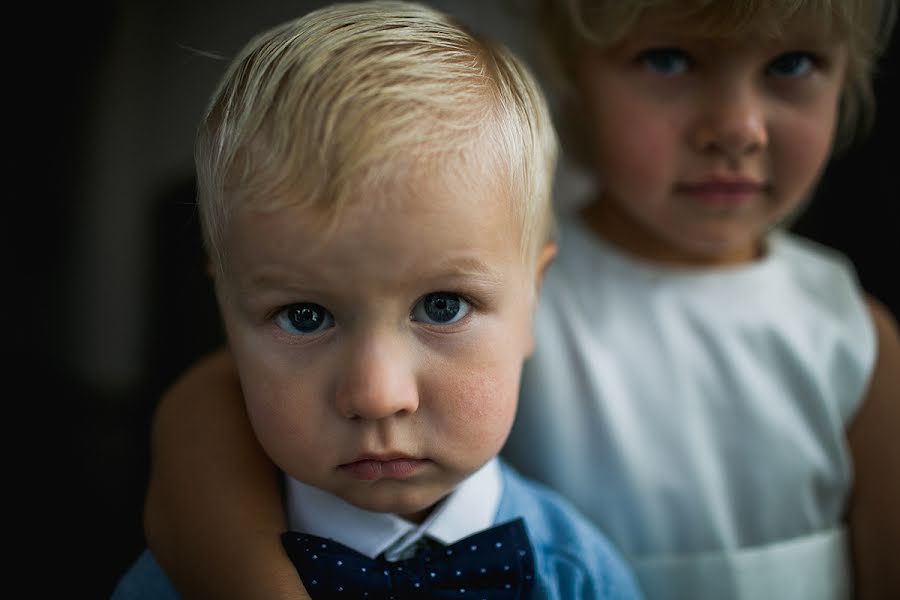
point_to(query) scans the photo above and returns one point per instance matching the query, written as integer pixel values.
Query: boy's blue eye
(304, 318)
(665, 61)
(792, 64)
(440, 308)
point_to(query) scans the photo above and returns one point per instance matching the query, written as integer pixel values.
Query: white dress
(698, 416)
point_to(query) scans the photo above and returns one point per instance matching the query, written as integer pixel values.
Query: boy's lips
(370, 468)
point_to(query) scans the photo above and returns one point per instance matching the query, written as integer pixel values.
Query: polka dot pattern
(494, 564)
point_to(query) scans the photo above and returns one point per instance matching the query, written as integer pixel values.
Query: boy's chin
(411, 502)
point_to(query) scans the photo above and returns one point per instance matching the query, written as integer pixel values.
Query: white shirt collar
(469, 508)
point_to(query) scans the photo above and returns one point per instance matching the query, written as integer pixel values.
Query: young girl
(716, 393)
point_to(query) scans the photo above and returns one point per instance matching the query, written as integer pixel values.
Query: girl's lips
(371, 469)
(722, 192)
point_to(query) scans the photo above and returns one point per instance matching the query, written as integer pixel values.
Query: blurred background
(110, 300)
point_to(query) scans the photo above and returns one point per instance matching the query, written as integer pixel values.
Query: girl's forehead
(762, 23)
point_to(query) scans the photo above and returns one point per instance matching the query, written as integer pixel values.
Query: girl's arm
(874, 438)
(213, 514)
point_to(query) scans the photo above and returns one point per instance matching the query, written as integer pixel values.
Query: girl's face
(702, 143)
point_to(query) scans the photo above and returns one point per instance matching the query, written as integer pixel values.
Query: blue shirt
(573, 560)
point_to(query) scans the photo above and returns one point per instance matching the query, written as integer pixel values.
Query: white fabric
(810, 567)
(698, 416)
(470, 508)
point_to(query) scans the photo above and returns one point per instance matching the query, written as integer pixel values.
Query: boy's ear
(545, 257)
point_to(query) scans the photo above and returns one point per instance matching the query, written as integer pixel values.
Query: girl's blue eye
(440, 308)
(665, 61)
(304, 319)
(792, 64)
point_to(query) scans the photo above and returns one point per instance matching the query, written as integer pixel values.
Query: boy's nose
(377, 381)
(732, 123)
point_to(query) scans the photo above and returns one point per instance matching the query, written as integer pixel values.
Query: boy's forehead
(397, 231)
(414, 183)
(470, 165)
(411, 181)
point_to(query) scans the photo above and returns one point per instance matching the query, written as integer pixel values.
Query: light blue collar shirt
(471, 507)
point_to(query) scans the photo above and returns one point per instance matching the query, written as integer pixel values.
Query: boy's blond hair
(865, 24)
(315, 108)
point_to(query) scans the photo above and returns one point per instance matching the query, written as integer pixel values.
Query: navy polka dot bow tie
(493, 564)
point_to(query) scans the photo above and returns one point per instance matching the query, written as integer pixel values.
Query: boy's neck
(471, 506)
(419, 517)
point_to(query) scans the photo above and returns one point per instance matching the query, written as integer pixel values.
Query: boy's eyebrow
(470, 267)
(465, 267)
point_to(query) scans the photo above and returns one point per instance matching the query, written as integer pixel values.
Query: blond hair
(865, 24)
(311, 108)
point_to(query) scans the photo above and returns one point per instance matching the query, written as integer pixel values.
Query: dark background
(109, 297)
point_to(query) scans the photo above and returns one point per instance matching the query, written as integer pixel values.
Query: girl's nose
(377, 381)
(731, 122)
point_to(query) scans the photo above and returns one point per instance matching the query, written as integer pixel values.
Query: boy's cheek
(285, 422)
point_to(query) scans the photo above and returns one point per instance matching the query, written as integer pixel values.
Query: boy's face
(381, 362)
(703, 143)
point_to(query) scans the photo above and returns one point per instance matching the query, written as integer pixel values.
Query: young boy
(716, 394)
(374, 186)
